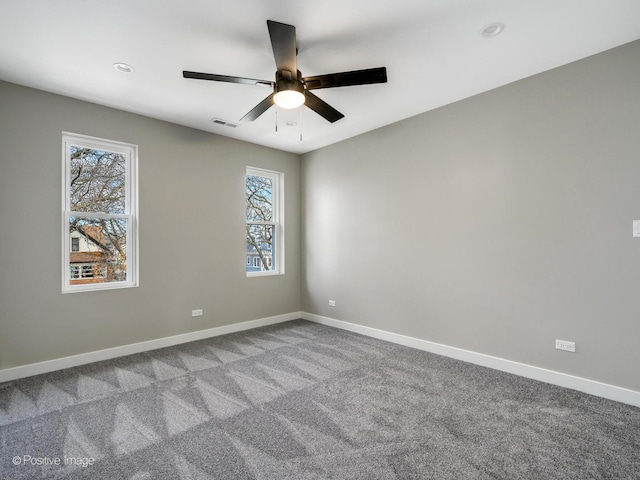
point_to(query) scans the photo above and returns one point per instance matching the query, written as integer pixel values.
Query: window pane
(102, 250)
(97, 181)
(260, 241)
(259, 199)
(89, 271)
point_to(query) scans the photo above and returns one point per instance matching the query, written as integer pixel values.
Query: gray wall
(496, 224)
(192, 252)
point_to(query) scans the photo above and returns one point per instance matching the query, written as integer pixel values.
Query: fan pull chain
(300, 122)
(276, 119)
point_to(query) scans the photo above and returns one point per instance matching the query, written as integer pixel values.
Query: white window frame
(277, 182)
(130, 152)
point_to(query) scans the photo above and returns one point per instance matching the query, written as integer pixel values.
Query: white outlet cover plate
(566, 345)
(636, 228)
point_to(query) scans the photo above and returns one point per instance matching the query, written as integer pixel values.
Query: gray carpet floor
(300, 400)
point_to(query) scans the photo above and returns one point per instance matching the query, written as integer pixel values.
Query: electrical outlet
(196, 313)
(565, 345)
(332, 303)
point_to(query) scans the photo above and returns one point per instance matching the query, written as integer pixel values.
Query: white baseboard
(108, 353)
(592, 387)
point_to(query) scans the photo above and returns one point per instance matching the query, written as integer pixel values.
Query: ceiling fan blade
(259, 109)
(321, 107)
(283, 42)
(226, 78)
(345, 79)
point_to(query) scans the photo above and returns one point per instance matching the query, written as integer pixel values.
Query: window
(99, 213)
(265, 225)
(86, 271)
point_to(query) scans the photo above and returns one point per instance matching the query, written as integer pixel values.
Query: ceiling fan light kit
(292, 90)
(289, 99)
(289, 92)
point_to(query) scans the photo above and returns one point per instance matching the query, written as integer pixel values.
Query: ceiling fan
(291, 89)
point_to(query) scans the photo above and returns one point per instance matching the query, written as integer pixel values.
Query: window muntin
(264, 222)
(100, 214)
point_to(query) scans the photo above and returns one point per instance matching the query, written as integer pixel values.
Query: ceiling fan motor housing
(286, 81)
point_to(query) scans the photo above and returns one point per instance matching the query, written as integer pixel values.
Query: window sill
(264, 274)
(97, 287)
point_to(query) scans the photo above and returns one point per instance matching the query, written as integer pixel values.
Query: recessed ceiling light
(491, 30)
(123, 67)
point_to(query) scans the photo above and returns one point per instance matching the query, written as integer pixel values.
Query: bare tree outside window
(98, 180)
(98, 185)
(259, 220)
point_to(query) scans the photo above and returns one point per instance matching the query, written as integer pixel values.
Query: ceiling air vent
(219, 121)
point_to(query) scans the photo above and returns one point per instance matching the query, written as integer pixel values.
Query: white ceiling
(432, 49)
